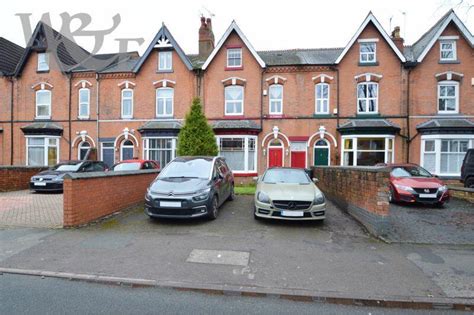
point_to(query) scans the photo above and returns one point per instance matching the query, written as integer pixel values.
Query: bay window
(444, 154)
(367, 150)
(367, 97)
(161, 150)
(43, 104)
(164, 102)
(276, 99)
(322, 98)
(234, 100)
(42, 151)
(240, 152)
(448, 97)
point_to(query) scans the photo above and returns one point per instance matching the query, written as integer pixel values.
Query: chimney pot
(206, 38)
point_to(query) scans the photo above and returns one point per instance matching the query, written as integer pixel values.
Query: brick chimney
(206, 38)
(399, 41)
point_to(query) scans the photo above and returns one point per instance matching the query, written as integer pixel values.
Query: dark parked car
(52, 179)
(190, 187)
(134, 165)
(467, 169)
(412, 183)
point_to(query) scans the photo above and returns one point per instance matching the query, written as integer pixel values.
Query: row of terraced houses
(373, 101)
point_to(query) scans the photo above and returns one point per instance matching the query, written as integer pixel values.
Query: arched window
(83, 149)
(367, 97)
(126, 150)
(43, 104)
(164, 102)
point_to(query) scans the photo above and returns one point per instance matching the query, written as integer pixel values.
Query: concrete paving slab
(219, 257)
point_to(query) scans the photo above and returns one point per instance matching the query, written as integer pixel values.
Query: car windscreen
(127, 166)
(286, 176)
(198, 168)
(68, 167)
(410, 171)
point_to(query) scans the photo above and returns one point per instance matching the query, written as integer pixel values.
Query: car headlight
(263, 197)
(319, 199)
(405, 188)
(443, 188)
(202, 195)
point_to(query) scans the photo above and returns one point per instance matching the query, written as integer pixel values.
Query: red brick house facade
(373, 101)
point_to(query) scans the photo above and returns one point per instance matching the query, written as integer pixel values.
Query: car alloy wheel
(470, 183)
(214, 208)
(390, 195)
(232, 193)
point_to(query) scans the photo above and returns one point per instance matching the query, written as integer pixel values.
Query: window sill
(448, 113)
(165, 71)
(164, 116)
(83, 117)
(42, 71)
(275, 115)
(322, 115)
(368, 64)
(447, 62)
(43, 118)
(233, 116)
(234, 68)
(362, 115)
(126, 118)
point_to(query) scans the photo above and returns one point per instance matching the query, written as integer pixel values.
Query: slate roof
(446, 123)
(161, 125)
(42, 128)
(235, 124)
(318, 56)
(10, 54)
(368, 126)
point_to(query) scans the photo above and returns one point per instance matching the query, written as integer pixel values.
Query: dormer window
(448, 50)
(43, 62)
(165, 61)
(234, 57)
(367, 53)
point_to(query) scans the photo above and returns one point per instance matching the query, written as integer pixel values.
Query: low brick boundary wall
(361, 191)
(462, 193)
(90, 196)
(17, 177)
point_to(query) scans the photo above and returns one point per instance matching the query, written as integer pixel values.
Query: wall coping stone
(14, 167)
(456, 188)
(90, 175)
(373, 169)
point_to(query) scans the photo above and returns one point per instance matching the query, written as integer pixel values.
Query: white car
(288, 194)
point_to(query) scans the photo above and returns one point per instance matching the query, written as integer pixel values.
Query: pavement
(424, 224)
(29, 209)
(336, 257)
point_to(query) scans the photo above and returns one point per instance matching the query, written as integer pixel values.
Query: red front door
(275, 157)
(298, 159)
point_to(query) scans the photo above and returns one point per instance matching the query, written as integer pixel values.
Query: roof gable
(427, 40)
(10, 55)
(371, 18)
(163, 39)
(233, 27)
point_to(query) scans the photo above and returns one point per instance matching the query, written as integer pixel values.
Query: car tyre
(390, 196)
(469, 183)
(232, 193)
(214, 208)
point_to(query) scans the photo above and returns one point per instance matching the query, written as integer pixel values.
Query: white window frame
(168, 61)
(123, 145)
(354, 139)
(79, 148)
(45, 146)
(316, 99)
(106, 148)
(456, 96)
(146, 147)
(367, 99)
(374, 53)
(88, 103)
(229, 50)
(47, 105)
(270, 99)
(441, 50)
(43, 65)
(437, 139)
(165, 114)
(226, 101)
(131, 103)
(246, 152)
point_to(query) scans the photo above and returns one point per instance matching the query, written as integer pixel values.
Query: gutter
(97, 111)
(12, 93)
(408, 140)
(70, 114)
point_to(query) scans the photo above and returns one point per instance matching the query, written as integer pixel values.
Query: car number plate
(427, 195)
(292, 213)
(40, 184)
(172, 204)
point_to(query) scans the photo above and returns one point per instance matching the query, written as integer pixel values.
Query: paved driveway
(28, 209)
(451, 224)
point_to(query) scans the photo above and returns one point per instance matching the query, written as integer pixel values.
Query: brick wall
(90, 196)
(462, 193)
(17, 177)
(361, 191)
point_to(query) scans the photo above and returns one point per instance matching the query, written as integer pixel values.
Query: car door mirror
(255, 179)
(315, 180)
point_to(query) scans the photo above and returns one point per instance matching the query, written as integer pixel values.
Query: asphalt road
(34, 295)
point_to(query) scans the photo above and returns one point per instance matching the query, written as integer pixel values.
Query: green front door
(321, 156)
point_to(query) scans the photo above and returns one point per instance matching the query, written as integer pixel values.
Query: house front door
(298, 159)
(275, 157)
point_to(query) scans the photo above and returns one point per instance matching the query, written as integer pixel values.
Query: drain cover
(219, 257)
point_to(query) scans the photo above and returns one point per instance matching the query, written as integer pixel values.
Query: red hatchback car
(412, 183)
(135, 165)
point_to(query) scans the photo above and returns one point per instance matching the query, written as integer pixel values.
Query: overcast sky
(267, 24)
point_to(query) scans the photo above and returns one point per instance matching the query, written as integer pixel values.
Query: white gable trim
(233, 27)
(371, 18)
(452, 18)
